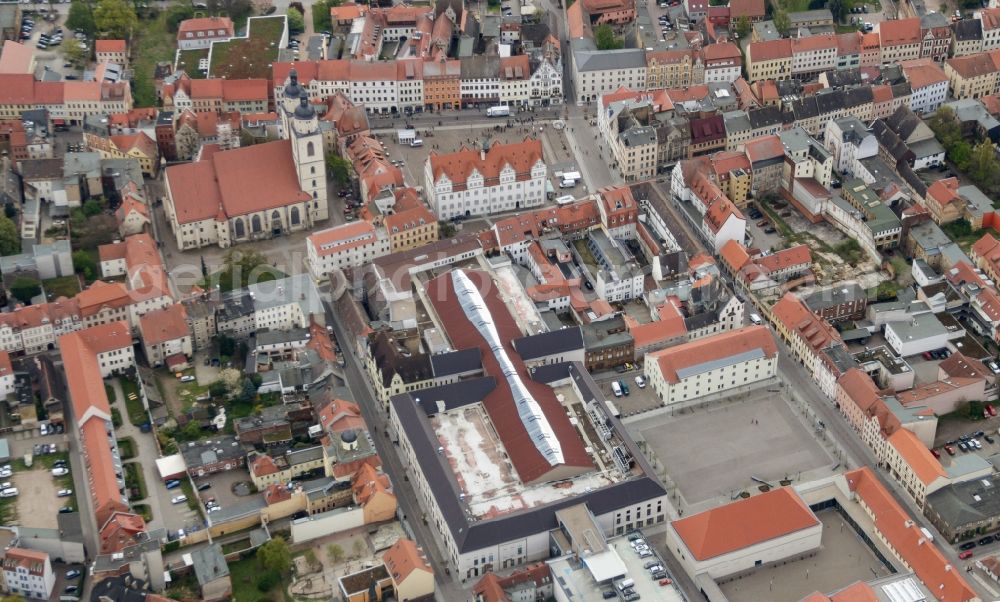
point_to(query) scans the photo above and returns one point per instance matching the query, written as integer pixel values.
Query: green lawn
(133, 402)
(188, 60)
(250, 57)
(152, 44)
(135, 480)
(66, 286)
(126, 447)
(244, 575)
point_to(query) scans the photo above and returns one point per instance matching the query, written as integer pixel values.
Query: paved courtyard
(37, 504)
(842, 559)
(716, 450)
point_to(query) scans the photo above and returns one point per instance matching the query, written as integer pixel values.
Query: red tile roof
(785, 258)
(529, 463)
(109, 46)
(204, 24)
(342, 238)
(744, 523)
(746, 8)
(944, 191)
(734, 255)
(231, 183)
(673, 360)
(769, 50)
(763, 148)
(796, 317)
(922, 73)
(404, 557)
(458, 166)
(815, 42)
(162, 325)
(15, 58)
(669, 327)
(900, 32)
(905, 537)
(916, 455)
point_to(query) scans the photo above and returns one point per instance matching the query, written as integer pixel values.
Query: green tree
(275, 556)
(982, 165)
(115, 18)
(840, 9)
(267, 580)
(79, 57)
(359, 547)
(25, 289)
(321, 13)
(781, 21)
(177, 13)
(217, 389)
(945, 125)
(10, 240)
(960, 153)
(91, 207)
(743, 27)
(335, 553)
(81, 16)
(605, 38)
(340, 168)
(249, 390)
(446, 230)
(10, 210)
(192, 431)
(83, 263)
(227, 346)
(296, 22)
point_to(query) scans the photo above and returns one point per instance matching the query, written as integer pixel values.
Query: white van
(624, 585)
(416, 142)
(616, 388)
(640, 382)
(755, 319)
(567, 184)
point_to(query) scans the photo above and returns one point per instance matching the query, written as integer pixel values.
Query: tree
(781, 21)
(81, 16)
(340, 169)
(606, 39)
(217, 389)
(249, 390)
(311, 559)
(10, 210)
(177, 13)
(115, 18)
(321, 13)
(296, 22)
(227, 346)
(235, 9)
(335, 553)
(960, 153)
(945, 125)
(743, 27)
(71, 50)
(275, 556)
(25, 289)
(91, 207)
(840, 9)
(83, 263)
(231, 377)
(359, 547)
(192, 431)
(10, 240)
(982, 165)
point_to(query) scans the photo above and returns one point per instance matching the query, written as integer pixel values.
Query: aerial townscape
(500, 301)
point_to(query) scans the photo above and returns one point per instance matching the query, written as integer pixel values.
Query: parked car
(640, 382)
(935, 453)
(172, 484)
(992, 411)
(64, 493)
(66, 510)
(965, 555)
(204, 486)
(950, 450)
(178, 499)
(8, 492)
(60, 471)
(986, 540)
(72, 574)
(967, 545)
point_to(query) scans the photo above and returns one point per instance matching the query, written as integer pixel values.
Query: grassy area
(224, 279)
(850, 251)
(189, 61)
(235, 546)
(152, 44)
(188, 393)
(110, 391)
(135, 480)
(246, 574)
(8, 510)
(126, 447)
(39, 462)
(192, 499)
(66, 286)
(116, 418)
(144, 511)
(250, 57)
(133, 402)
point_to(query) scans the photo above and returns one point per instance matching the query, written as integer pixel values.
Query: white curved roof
(531, 414)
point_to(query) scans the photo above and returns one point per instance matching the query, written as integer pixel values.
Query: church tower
(301, 127)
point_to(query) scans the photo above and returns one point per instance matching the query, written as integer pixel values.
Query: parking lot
(713, 453)
(50, 58)
(637, 401)
(37, 504)
(222, 487)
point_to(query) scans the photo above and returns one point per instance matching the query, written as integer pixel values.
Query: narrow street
(447, 588)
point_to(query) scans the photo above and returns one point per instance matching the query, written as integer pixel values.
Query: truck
(572, 175)
(498, 111)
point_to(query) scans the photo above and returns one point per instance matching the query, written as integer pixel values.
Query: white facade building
(28, 573)
(469, 182)
(346, 246)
